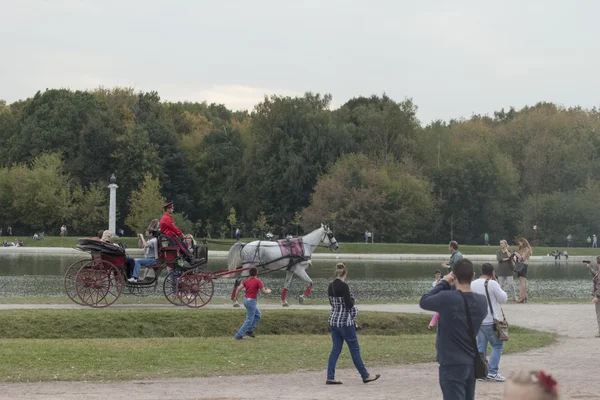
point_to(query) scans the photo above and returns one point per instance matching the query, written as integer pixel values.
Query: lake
(36, 275)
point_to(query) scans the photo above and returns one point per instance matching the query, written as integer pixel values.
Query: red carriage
(101, 280)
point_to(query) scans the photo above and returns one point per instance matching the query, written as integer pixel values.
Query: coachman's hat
(169, 204)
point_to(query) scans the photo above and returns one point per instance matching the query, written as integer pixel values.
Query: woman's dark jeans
(338, 336)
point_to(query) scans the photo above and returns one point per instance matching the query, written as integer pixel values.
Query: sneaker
(496, 378)
(132, 280)
(483, 379)
(239, 338)
(250, 334)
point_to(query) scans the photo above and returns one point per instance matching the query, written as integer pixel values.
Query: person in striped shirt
(343, 326)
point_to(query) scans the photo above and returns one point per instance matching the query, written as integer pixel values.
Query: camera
(586, 262)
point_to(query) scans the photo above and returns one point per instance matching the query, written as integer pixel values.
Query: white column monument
(112, 211)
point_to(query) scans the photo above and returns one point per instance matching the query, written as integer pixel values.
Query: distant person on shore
(595, 289)
(238, 234)
(523, 253)
(63, 231)
(594, 241)
(486, 239)
(455, 255)
(454, 344)
(366, 237)
(531, 385)
(9, 231)
(569, 240)
(505, 268)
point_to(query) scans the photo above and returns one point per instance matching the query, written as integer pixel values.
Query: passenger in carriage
(150, 251)
(190, 245)
(106, 236)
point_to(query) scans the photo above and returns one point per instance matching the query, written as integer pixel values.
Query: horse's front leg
(288, 279)
(234, 294)
(300, 270)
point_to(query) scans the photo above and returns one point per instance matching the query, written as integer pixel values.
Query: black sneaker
(251, 334)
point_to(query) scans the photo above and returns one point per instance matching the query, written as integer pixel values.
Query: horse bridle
(332, 239)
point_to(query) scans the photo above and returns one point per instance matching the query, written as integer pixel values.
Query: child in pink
(436, 316)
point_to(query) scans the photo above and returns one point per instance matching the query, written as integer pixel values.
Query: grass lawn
(351, 248)
(124, 344)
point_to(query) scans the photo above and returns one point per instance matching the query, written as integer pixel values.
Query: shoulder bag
(500, 327)
(481, 365)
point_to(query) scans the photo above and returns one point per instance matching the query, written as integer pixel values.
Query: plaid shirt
(343, 310)
(340, 315)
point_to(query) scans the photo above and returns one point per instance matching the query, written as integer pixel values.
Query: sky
(453, 58)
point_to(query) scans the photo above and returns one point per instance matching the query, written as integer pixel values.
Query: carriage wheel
(170, 287)
(196, 288)
(71, 282)
(99, 283)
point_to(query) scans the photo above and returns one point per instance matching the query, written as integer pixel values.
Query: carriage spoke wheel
(71, 282)
(99, 284)
(170, 287)
(196, 288)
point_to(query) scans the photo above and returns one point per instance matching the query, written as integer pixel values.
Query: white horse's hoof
(285, 304)
(236, 305)
(301, 299)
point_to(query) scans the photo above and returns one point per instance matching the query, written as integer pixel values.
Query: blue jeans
(486, 334)
(138, 265)
(458, 381)
(338, 336)
(252, 317)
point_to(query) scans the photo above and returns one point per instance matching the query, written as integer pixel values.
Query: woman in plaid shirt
(343, 326)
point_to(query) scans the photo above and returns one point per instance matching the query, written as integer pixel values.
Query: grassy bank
(118, 344)
(352, 248)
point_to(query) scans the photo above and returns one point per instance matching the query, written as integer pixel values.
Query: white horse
(293, 255)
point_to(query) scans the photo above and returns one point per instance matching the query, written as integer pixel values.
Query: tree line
(294, 162)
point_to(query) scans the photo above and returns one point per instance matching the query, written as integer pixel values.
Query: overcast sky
(453, 58)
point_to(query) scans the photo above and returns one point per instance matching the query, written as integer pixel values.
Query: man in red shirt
(252, 285)
(167, 227)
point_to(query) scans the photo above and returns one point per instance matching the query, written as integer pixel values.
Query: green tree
(358, 193)
(291, 142)
(261, 224)
(145, 204)
(231, 218)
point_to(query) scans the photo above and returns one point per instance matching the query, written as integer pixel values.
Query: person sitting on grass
(253, 315)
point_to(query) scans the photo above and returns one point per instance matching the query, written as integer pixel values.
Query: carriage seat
(168, 248)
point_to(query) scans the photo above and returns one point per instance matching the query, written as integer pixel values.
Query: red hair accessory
(547, 382)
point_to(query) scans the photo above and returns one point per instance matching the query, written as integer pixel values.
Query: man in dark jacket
(455, 348)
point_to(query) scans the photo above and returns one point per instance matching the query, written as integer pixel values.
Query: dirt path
(573, 361)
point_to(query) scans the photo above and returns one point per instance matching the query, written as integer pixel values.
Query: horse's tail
(234, 259)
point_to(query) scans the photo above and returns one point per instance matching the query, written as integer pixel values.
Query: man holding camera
(595, 289)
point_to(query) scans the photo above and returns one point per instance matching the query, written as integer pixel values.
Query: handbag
(481, 366)
(500, 327)
(519, 267)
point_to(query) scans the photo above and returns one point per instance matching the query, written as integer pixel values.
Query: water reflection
(32, 275)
